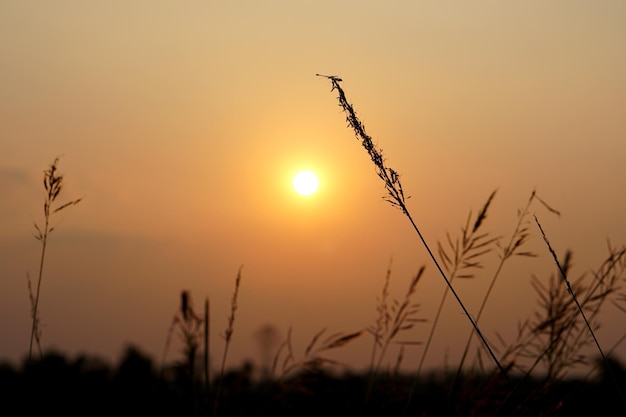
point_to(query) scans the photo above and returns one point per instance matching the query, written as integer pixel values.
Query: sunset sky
(182, 124)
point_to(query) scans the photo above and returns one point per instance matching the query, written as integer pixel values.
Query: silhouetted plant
(190, 330)
(572, 293)
(53, 184)
(460, 259)
(556, 335)
(514, 247)
(564, 324)
(312, 359)
(228, 334)
(393, 319)
(207, 365)
(395, 196)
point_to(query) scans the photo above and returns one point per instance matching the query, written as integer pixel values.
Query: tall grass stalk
(207, 369)
(580, 310)
(53, 184)
(562, 271)
(395, 196)
(461, 257)
(513, 248)
(193, 331)
(560, 318)
(190, 327)
(382, 321)
(558, 321)
(392, 320)
(228, 334)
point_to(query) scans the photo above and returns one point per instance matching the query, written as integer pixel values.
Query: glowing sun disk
(305, 182)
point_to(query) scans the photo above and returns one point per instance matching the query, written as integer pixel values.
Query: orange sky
(181, 126)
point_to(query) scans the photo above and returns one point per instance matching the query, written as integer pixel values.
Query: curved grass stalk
(604, 283)
(395, 196)
(580, 310)
(463, 257)
(513, 248)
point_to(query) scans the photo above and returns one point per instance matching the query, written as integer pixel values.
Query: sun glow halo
(305, 182)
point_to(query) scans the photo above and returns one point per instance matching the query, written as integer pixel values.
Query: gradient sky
(180, 124)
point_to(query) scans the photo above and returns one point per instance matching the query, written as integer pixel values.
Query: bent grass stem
(396, 198)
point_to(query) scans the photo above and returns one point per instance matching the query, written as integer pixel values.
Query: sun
(305, 182)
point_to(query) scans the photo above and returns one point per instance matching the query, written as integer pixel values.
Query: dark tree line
(89, 386)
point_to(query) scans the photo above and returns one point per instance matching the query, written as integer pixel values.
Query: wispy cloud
(12, 177)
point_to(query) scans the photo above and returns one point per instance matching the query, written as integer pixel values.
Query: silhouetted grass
(572, 293)
(460, 259)
(395, 196)
(393, 319)
(460, 250)
(53, 184)
(313, 359)
(532, 374)
(514, 247)
(228, 334)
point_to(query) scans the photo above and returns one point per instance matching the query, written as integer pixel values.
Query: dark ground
(88, 386)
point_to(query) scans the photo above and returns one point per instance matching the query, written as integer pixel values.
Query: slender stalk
(228, 333)
(464, 256)
(207, 374)
(31, 297)
(516, 242)
(610, 270)
(35, 308)
(400, 317)
(382, 322)
(396, 198)
(580, 310)
(53, 184)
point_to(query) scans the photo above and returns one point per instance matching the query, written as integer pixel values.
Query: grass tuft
(393, 319)
(312, 359)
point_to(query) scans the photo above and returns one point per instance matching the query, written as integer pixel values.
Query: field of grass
(530, 376)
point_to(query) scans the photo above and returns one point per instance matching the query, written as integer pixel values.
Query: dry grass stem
(393, 319)
(514, 247)
(572, 293)
(395, 196)
(312, 359)
(53, 184)
(228, 334)
(382, 321)
(191, 328)
(460, 259)
(555, 336)
(207, 368)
